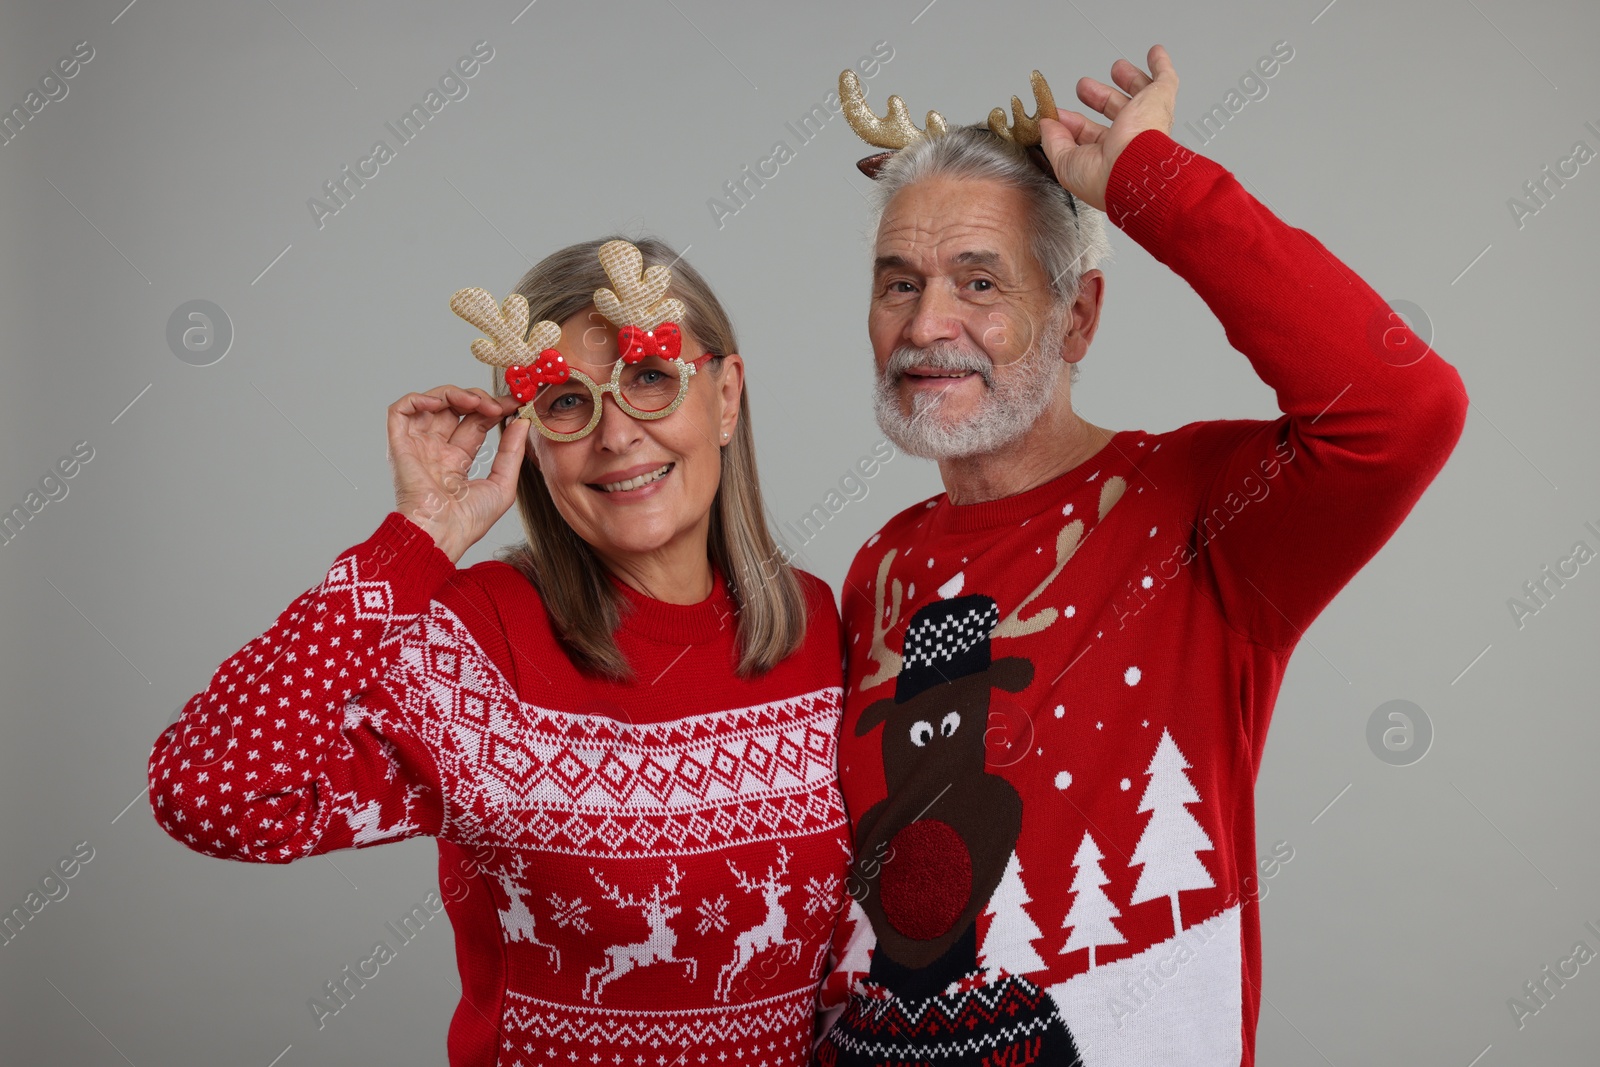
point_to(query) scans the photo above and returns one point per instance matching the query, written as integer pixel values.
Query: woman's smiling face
(637, 487)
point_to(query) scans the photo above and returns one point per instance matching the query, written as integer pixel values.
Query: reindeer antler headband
(896, 130)
(646, 320)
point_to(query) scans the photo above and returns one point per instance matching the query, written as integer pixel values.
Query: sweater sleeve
(1290, 509)
(296, 748)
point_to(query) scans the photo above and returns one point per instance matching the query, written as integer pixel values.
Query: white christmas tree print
(1092, 911)
(1172, 836)
(1007, 945)
(858, 947)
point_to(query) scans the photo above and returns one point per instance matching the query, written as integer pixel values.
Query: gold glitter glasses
(651, 388)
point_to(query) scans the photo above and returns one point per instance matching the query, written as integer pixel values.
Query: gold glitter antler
(894, 131)
(1024, 130)
(638, 296)
(504, 347)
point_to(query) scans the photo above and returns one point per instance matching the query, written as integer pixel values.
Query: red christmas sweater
(646, 872)
(1057, 701)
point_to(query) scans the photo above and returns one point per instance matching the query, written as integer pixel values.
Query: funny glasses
(650, 379)
(652, 388)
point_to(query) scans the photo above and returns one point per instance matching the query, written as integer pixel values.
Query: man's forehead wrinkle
(962, 244)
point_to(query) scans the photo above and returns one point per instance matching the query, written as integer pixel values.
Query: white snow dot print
(1063, 779)
(1131, 676)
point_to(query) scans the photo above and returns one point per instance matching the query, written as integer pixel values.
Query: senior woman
(621, 731)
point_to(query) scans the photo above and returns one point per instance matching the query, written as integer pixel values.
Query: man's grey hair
(1066, 242)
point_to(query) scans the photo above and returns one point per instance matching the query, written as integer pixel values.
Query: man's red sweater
(646, 872)
(1051, 780)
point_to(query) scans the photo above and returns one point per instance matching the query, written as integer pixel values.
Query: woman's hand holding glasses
(433, 439)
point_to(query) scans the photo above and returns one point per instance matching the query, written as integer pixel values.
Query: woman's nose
(616, 431)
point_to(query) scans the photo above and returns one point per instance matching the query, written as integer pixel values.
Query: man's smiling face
(961, 317)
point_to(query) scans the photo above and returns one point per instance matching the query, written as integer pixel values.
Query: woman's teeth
(634, 483)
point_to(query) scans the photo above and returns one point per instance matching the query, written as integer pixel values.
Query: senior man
(1062, 669)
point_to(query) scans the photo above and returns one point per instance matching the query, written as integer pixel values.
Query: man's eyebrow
(977, 257)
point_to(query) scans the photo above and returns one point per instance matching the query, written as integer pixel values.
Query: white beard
(1014, 402)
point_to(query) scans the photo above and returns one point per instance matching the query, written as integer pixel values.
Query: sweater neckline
(677, 623)
(1010, 510)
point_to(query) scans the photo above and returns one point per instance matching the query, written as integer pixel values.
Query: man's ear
(876, 712)
(1085, 316)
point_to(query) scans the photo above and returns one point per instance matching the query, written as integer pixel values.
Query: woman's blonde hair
(584, 605)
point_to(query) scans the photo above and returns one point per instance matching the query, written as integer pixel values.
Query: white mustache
(939, 357)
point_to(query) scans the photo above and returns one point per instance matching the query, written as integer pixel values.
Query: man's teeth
(634, 483)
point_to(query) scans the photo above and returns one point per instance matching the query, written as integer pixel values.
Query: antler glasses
(650, 379)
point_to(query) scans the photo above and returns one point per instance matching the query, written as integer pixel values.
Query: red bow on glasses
(635, 344)
(524, 381)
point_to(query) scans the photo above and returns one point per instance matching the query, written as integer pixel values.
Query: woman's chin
(637, 535)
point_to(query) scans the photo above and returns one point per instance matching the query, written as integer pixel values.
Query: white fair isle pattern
(521, 776)
(644, 878)
(960, 1046)
(240, 734)
(757, 1032)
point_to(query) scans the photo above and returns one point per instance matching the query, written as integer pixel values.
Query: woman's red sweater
(637, 873)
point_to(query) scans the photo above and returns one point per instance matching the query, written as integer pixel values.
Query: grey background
(178, 168)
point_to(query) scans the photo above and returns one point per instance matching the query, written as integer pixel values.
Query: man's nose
(936, 317)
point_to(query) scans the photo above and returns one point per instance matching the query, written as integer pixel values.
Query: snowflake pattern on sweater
(636, 870)
(1057, 702)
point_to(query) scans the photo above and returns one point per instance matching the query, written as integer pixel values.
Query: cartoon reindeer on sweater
(768, 932)
(657, 948)
(930, 854)
(517, 920)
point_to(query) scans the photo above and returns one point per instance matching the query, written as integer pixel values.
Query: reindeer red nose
(927, 879)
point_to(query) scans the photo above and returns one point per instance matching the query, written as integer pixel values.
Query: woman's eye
(651, 377)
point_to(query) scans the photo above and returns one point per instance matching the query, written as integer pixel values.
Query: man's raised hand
(1083, 151)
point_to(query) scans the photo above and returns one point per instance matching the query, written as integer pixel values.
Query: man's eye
(985, 283)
